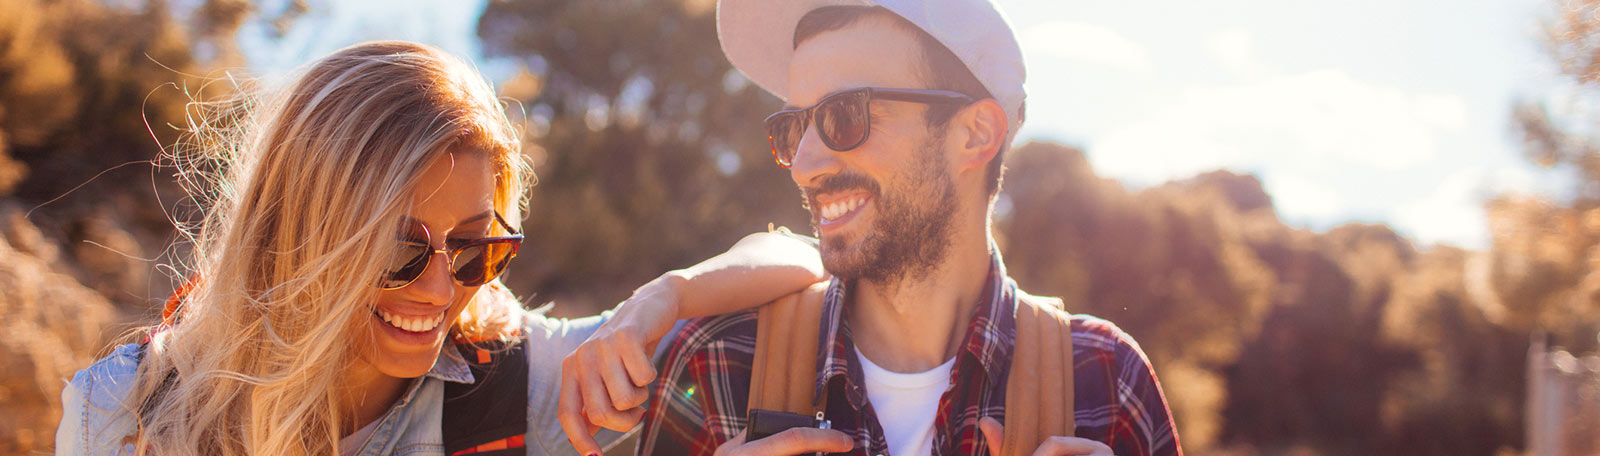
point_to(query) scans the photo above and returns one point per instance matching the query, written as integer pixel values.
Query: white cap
(758, 37)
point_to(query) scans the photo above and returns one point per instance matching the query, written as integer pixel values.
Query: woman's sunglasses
(842, 118)
(472, 263)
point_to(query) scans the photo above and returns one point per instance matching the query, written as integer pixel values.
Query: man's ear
(980, 130)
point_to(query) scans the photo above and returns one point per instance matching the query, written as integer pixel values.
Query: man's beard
(910, 231)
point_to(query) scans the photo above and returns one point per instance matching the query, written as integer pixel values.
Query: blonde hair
(302, 197)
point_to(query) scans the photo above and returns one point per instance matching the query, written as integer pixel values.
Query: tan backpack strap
(784, 373)
(1039, 396)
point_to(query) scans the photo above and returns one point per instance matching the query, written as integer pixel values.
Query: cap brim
(758, 37)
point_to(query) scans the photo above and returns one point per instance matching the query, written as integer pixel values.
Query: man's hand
(603, 382)
(993, 433)
(790, 442)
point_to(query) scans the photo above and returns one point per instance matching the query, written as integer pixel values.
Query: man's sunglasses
(842, 118)
(472, 263)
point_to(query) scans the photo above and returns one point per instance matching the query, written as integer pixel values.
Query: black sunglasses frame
(784, 154)
(515, 239)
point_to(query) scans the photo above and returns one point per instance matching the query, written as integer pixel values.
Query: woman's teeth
(837, 209)
(413, 324)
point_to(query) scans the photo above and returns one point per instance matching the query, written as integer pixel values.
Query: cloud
(1316, 139)
(1453, 213)
(1086, 44)
(1314, 120)
(1235, 51)
(1311, 199)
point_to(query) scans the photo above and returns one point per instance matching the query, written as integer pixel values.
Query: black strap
(495, 406)
(160, 392)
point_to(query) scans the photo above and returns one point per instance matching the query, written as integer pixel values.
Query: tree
(650, 149)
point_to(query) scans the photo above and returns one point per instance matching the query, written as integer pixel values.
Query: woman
(361, 227)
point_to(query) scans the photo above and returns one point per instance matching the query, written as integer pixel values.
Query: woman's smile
(411, 323)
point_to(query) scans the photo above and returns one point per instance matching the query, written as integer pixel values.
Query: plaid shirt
(702, 396)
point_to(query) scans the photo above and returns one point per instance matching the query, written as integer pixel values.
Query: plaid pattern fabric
(705, 384)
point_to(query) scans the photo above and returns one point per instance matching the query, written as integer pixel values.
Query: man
(897, 119)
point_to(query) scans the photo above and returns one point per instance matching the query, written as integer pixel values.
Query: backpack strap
(784, 373)
(1039, 396)
(490, 416)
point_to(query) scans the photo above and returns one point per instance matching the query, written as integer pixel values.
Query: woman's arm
(603, 381)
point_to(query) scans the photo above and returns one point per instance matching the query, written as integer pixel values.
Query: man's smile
(836, 208)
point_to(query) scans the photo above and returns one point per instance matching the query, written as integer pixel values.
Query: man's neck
(917, 323)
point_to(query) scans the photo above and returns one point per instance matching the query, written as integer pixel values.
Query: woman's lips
(410, 323)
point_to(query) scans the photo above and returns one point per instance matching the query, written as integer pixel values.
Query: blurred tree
(1270, 339)
(89, 94)
(1546, 267)
(84, 87)
(650, 148)
(75, 103)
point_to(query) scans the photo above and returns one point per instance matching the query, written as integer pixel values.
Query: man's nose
(812, 159)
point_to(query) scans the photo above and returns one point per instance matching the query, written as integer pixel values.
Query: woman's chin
(407, 354)
(405, 365)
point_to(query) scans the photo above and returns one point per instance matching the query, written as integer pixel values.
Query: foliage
(1268, 339)
(650, 149)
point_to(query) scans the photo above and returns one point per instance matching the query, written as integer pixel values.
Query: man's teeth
(413, 324)
(833, 211)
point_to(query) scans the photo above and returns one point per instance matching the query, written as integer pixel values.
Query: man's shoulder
(1097, 334)
(1112, 350)
(697, 333)
(1114, 378)
(1091, 334)
(729, 338)
(704, 386)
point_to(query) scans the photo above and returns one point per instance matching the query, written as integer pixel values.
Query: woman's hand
(604, 381)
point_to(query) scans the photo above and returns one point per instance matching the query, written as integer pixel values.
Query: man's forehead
(870, 52)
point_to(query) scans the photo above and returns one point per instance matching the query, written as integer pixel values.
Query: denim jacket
(96, 418)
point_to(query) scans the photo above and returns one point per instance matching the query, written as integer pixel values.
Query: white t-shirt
(906, 404)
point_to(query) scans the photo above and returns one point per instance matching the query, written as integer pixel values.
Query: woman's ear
(981, 129)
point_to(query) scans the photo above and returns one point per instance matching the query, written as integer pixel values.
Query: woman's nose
(435, 285)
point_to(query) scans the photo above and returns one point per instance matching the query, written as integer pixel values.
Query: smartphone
(764, 423)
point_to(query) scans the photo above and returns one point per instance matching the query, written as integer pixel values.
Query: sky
(1373, 111)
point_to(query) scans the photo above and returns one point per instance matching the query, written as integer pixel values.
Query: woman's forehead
(455, 189)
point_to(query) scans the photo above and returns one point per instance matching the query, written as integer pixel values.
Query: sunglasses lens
(408, 264)
(842, 120)
(481, 263)
(784, 130)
